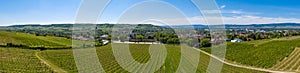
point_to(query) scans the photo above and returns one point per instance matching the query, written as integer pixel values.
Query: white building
(105, 42)
(237, 40)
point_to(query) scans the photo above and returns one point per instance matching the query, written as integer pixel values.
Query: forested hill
(272, 25)
(1, 27)
(65, 30)
(71, 25)
(38, 25)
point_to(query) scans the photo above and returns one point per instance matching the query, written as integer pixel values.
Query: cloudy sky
(233, 11)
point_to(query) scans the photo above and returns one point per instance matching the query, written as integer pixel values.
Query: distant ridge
(229, 26)
(197, 26)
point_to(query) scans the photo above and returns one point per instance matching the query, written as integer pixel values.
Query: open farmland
(241, 53)
(65, 59)
(262, 53)
(32, 40)
(290, 63)
(14, 60)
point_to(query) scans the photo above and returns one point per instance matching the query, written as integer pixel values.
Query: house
(105, 42)
(237, 40)
(244, 34)
(104, 36)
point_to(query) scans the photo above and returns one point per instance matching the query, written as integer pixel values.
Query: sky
(233, 11)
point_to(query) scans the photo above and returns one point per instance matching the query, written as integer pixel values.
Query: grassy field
(14, 60)
(65, 59)
(32, 40)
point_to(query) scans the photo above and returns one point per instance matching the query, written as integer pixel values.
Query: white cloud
(223, 6)
(211, 11)
(238, 12)
(246, 19)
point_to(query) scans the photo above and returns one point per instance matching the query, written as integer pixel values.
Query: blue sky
(233, 11)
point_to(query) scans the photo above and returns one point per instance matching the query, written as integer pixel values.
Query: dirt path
(52, 66)
(240, 66)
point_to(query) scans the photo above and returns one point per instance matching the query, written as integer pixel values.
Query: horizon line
(145, 23)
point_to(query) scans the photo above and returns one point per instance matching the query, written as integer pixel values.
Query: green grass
(13, 60)
(65, 59)
(32, 40)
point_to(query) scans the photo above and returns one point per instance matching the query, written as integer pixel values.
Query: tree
(99, 42)
(158, 36)
(140, 37)
(205, 43)
(173, 41)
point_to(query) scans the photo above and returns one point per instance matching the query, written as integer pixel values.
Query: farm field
(263, 55)
(260, 42)
(14, 60)
(65, 59)
(32, 40)
(290, 63)
(260, 53)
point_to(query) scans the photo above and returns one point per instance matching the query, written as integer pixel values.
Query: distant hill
(38, 25)
(274, 25)
(240, 26)
(196, 26)
(66, 30)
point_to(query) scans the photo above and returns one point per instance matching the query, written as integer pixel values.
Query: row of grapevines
(21, 60)
(64, 59)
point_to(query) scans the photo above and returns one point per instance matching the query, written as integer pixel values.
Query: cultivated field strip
(32, 40)
(262, 56)
(63, 59)
(290, 63)
(14, 60)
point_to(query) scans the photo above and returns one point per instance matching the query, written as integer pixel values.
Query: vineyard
(32, 40)
(260, 53)
(14, 60)
(23, 40)
(65, 59)
(290, 63)
(269, 54)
